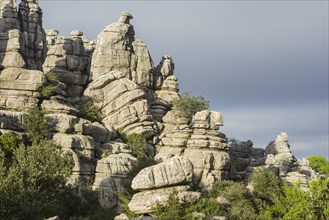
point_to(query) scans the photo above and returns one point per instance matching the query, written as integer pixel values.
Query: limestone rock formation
(70, 59)
(117, 49)
(110, 177)
(34, 38)
(244, 158)
(18, 86)
(171, 172)
(279, 155)
(10, 36)
(207, 149)
(123, 103)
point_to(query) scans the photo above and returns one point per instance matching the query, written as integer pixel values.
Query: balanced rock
(171, 172)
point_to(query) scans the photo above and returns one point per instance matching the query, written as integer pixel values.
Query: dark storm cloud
(264, 65)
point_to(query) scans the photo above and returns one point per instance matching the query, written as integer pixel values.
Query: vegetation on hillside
(268, 198)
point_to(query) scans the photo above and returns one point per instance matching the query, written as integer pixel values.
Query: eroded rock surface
(171, 172)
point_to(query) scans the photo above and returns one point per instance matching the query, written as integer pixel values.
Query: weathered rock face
(279, 155)
(123, 103)
(171, 172)
(34, 38)
(70, 59)
(243, 158)
(111, 177)
(10, 36)
(19, 87)
(116, 49)
(207, 149)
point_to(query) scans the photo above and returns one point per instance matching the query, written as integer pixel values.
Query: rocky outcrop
(174, 171)
(279, 156)
(34, 38)
(111, 177)
(159, 181)
(207, 149)
(10, 36)
(123, 103)
(70, 59)
(117, 49)
(276, 157)
(244, 158)
(18, 86)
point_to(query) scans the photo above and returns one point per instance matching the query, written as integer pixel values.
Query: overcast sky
(263, 64)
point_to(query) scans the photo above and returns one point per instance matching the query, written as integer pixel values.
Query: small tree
(89, 111)
(188, 105)
(265, 184)
(138, 144)
(51, 85)
(36, 125)
(8, 143)
(34, 186)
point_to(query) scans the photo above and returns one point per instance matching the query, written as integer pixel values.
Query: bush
(51, 85)
(8, 143)
(34, 186)
(188, 105)
(89, 111)
(319, 164)
(174, 209)
(241, 204)
(265, 184)
(138, 144)
(36, 125)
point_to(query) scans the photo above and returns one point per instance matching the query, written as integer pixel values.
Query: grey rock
(171, 172)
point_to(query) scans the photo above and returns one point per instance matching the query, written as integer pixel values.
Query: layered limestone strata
(70, 59)
(123, 103)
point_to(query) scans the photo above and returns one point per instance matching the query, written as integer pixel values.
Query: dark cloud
(264, 65)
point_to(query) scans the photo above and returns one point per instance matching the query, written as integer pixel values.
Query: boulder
(171, 172)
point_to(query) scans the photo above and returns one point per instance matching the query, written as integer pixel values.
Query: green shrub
(34, 186)
(89, 111)
(51, 85)
(36, 125)
(174, 209)
(319, 163)
(138, 144)
(124, 201)
(188, 105)
(8, 143)
(241, 203)
(265, 184)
